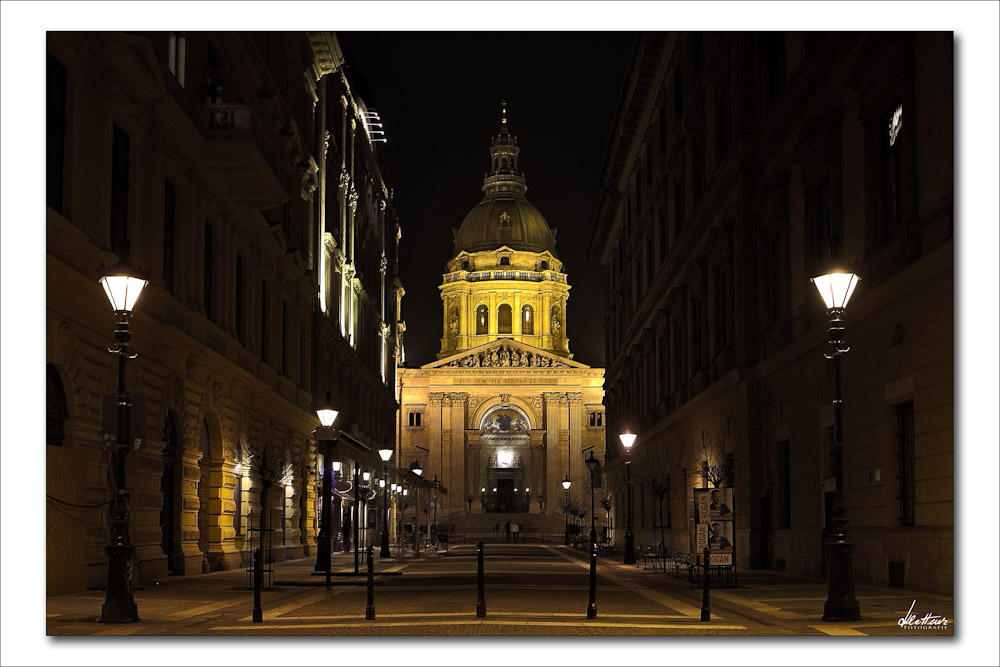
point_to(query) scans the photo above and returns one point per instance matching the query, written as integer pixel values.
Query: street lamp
(327, 435)
(592, 464)
(565, 484)
(366, 477)
(836, 289)
(628, 439)
(416, 469)
(385, 454)
(123, 285)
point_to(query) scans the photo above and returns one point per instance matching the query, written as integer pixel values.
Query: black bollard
(592, 606)
(258, 582)
(370, 607)
(706, 614)
(481, 599)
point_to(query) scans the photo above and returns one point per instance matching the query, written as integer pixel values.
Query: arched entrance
(169, 518)
(505, 441)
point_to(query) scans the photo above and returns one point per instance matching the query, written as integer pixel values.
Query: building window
(650, 263)
(822, 221)
(891, 176)
(413, 418)
(505, 324)
(678, 206)
(505, 261)
(482, 320)
(238, 500)
(263, 322)
(119, 191)
(55, 407)
(207, 276)
(775, 276)
(284, 338)
(169, 233)
(698, 169)
(55, 132)
(721, 311)
(240, 333)
(596, 418)
(698, 333)
(723, 133)
(664, 233)
(784, 485)
(527, 320)
(906, 456)
(176, 47)
(678, 94)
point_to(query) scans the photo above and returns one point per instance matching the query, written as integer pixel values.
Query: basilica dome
(505, 221)
(504, 217)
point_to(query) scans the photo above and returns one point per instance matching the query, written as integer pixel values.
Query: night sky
(439, 96)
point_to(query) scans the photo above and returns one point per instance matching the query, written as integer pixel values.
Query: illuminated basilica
(504, 415)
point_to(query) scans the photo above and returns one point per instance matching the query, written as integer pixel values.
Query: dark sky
(439, 95)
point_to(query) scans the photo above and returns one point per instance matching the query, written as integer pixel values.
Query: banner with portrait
(713, 510)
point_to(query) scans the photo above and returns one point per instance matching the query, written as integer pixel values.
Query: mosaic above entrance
(505, 421)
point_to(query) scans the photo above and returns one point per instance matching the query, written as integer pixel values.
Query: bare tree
(709, 458)
(654, 473)
(268, 454)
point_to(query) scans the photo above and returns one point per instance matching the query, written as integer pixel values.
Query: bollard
(706, 614)
(592, 606)
(258, 581)
(481, 599)
(370, 607)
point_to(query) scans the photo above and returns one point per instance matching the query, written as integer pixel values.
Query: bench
(682, 559)
(654, 555)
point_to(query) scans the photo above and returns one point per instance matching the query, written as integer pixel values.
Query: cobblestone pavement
(529, 590)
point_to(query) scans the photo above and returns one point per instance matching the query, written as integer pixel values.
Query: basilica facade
(505, 414)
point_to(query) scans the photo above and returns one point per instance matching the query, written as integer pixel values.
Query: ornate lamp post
(592, 464)
(327, 435)
(123, 285)
(566, 484)
(366, 478)
(385, 454)
(416, 469)
(628, 439)
(836, 289)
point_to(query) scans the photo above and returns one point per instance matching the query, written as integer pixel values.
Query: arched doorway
(169, 521)
(504, 438)
(204, 488)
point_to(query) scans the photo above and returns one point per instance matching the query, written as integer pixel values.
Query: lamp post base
(841, 604)
(629, 557)
(119, 606)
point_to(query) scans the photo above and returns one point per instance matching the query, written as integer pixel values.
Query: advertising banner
(714, 524)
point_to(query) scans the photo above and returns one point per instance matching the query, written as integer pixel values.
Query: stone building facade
(505, 413)
(739, 165)
(236, 170)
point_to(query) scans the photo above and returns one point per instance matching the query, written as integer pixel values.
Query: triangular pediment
(505, 353)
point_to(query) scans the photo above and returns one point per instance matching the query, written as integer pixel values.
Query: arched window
(55, 407)
(505, 318)
(527, 320)
(545, 265)
(482, 320)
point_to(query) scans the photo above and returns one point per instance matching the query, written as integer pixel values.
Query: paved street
(529, 590)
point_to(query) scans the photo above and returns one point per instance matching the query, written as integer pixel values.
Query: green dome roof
(505, 221)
